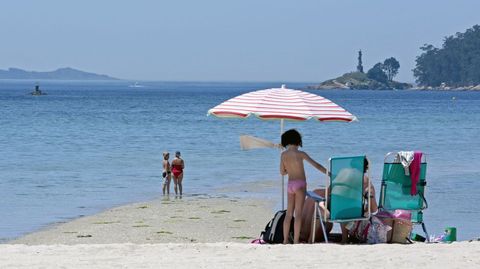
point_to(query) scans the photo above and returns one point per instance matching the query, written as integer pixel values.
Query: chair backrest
(346, 188)
(395, 192)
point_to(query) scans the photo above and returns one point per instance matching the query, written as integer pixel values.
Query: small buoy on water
(454, 98)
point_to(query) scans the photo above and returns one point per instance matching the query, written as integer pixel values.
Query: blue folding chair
(344, 195)
(395, 192)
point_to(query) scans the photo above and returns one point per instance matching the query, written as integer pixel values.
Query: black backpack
(273, 233)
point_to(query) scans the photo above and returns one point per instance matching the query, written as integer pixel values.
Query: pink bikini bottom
(295, 185)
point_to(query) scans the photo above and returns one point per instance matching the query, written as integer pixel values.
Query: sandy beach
(206, 232)
(240, 255)
(200, 219)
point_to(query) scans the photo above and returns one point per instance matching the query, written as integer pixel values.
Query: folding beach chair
(395, 192)
(344, 196)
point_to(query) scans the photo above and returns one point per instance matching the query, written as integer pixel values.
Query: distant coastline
(66, 73)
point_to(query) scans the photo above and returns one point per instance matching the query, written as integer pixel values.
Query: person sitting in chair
(373, 202)
(309, 207)
(307, 221)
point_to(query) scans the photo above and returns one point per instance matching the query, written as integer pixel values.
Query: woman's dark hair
(291, 137)
(365, 165)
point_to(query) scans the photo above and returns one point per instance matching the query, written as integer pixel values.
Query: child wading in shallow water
(291, 163)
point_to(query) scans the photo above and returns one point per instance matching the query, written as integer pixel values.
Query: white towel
(251, 142)
(405, 158)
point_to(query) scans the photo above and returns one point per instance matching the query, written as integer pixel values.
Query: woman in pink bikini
(177, 169)
(291, 163)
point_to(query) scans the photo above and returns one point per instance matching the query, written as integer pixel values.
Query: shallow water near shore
(88, 146)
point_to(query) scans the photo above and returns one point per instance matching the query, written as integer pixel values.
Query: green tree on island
(377, 73)
(456, 64)
(390, 67)
(379, 77)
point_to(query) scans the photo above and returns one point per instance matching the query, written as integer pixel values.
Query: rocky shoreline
(447, 88)
(335, 85)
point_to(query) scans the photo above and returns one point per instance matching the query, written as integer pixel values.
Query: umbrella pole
(283, 177)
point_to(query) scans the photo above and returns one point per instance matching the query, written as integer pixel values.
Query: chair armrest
(315, 196)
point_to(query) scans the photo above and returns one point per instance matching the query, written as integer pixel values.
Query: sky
(222, 40)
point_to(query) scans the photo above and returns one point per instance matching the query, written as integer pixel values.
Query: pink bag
(397, 214)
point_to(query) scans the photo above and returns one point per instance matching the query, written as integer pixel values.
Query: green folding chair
(344, 193)
(395, 191)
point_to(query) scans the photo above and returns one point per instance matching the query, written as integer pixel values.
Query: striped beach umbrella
(282, 104)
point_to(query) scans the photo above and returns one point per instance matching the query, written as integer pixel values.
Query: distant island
(66, 73)
(379, 77)
(359, 81)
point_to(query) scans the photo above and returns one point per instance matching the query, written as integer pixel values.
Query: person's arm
(314, 163)
(373, 202)
(283, 170)
(183, 164)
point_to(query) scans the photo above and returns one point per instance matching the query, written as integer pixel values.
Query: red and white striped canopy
(282, 103)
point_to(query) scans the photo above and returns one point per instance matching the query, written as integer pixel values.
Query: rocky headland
(359, 81)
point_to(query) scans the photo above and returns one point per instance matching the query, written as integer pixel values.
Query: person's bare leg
(288, 216)
(164, 186)
(307, 217)
(180, 187)
(169, 178)
(175, 186)
(299, 200)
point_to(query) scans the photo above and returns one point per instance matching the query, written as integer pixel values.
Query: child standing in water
(167, 173)
(291, 163)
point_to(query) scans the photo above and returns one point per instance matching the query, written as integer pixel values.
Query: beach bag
(400, 221)
(358, 230)
(401, 230)
(371, 231)
(273, 233)
(377, 234)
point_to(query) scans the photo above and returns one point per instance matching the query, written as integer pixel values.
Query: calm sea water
(88, 146)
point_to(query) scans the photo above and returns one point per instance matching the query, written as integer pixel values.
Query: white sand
(237, 255)
(191, 219)
(191, 233)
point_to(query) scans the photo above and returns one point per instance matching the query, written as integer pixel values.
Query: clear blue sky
(224, 40)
